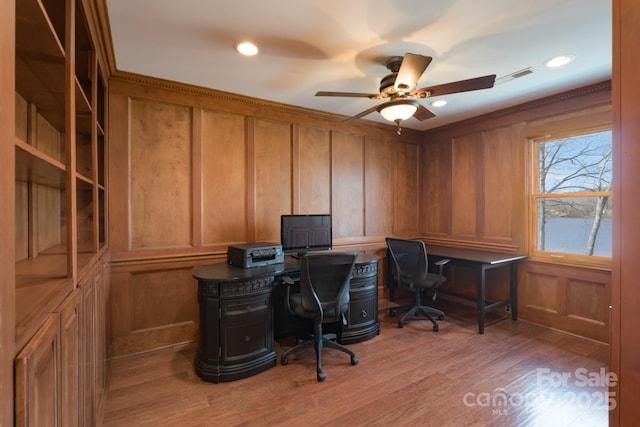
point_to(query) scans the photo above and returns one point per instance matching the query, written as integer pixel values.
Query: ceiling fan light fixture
(397, 111)
(439, 103)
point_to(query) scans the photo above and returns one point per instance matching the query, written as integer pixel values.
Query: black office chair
(323, 297)
(410, 270)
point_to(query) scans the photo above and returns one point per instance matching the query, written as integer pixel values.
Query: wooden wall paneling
(520, 188)
(197, 177)
(118, 174)
(466, 168)
(405, 189)
(70, 359)
(436, 187)
(273, 192)
(588, 300)
(347, 151)
(224, 174)
(121, 308)
(625, 313)
(497, 214)
(568, 298)
(37, 376)
(160, 175)
(313, 171)
(379, 191)
(137, 292)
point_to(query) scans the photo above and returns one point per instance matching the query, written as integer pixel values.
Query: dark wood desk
(237, 308)
(481, 261)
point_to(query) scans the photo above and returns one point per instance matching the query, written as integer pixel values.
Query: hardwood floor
(516, 374)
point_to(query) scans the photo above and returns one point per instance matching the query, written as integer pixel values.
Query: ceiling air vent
(514, 75)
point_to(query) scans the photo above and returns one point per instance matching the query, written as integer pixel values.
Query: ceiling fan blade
(412, 67)
(347, 94)
(423, 113)
(362, 114)
(484, 82)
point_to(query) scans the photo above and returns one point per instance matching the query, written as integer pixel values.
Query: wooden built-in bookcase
(59, 155)
(61, 268)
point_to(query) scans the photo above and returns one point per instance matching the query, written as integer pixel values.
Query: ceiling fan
(399, 88)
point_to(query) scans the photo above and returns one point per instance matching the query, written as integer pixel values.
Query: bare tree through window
(573, 194)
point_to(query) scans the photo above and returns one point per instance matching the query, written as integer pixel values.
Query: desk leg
(481, 299)
(513, 289)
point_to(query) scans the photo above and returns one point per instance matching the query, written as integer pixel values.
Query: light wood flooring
(516, 374)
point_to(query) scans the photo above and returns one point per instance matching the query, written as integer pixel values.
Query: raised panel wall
(160, 172)
(272, 178)
(313, 170)
(498, 184)
(466, 167)
(224, 207)
(348, 185)
(192, 172)
(406, 180)
(486, 205)
(152, 306)
(379, 203)
(567, 298)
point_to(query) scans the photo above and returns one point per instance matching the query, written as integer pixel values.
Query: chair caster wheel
(392, 313)
(441, 317)
(354, 360)
(436, 328)
(284, 361)
(321, 377)
(400, 324)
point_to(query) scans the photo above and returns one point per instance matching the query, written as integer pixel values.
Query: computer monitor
(303, 233)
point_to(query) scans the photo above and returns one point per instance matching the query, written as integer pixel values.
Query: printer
(255, 254)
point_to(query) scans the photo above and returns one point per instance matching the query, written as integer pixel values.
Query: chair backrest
(410, 260)
(325, 279)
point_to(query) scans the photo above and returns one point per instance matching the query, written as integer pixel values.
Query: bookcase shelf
(59, 156)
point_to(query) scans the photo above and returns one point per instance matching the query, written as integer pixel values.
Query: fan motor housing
(386, 84)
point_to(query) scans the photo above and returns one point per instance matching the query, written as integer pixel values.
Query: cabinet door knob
(364, 313)
(247, 338)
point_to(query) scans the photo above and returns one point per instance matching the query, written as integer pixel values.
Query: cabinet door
(70, 356)
(246, 328)
(363, 307)
(37, 377)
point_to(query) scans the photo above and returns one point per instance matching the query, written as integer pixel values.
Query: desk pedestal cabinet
(237, 310)
(362, 318)
(236, 335)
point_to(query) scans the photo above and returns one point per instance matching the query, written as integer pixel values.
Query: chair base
(326, 340)
(418, 312)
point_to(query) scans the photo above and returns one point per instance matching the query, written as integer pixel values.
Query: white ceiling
(341, 45)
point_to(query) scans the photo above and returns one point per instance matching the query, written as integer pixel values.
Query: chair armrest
(441, 264)
(288, 280)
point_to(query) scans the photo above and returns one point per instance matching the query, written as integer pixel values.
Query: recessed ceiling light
(247, 48)
(439, 103)
(559, 61)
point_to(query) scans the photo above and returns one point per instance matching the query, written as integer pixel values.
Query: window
(572, 196)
